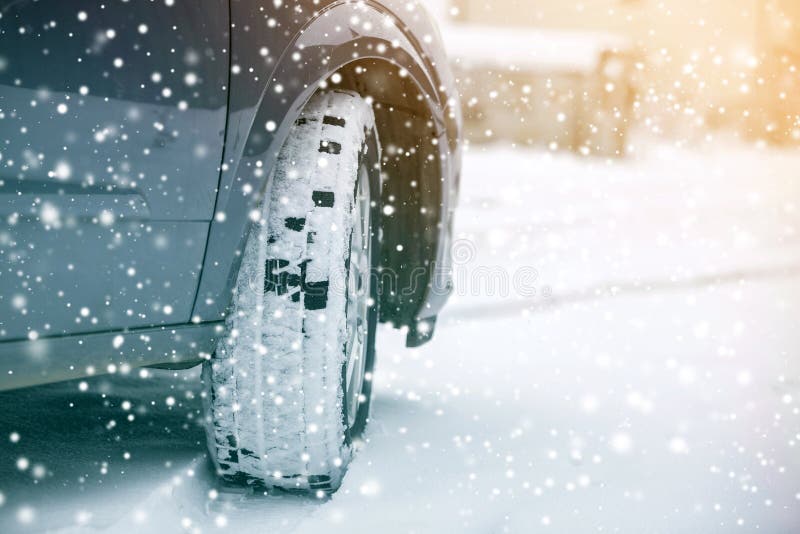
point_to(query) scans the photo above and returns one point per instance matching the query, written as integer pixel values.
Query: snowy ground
(651, 383)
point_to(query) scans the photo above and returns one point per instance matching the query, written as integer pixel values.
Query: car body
(136, 138)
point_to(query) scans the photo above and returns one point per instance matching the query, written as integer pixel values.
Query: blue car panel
(112, 120)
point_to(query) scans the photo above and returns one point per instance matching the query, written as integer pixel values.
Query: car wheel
(289, 385)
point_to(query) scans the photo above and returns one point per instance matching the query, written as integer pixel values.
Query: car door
(112, 118)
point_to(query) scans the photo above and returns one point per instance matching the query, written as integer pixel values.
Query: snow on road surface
(641, 374)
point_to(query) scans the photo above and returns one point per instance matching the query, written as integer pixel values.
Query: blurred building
(563, 88)
(704, 63)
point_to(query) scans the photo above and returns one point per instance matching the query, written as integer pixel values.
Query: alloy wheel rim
(358, 296)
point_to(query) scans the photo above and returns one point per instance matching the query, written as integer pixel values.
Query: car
(247, 186)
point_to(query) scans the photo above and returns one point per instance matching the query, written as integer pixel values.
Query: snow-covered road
(623, 356)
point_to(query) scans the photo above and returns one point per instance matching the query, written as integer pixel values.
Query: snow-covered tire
(289, 385)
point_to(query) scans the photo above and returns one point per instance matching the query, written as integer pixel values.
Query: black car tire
(289, 385)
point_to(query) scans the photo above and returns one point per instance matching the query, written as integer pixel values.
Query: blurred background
(581, 75)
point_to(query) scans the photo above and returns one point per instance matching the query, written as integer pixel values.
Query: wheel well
(412, 185)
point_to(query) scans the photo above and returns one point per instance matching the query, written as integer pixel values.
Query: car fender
(267, 94)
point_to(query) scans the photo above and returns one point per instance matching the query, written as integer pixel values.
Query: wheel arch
(407, 91)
